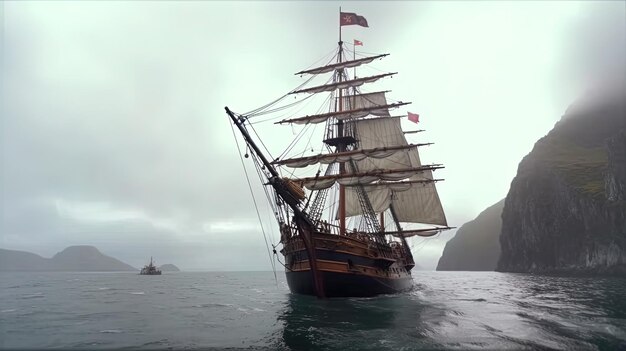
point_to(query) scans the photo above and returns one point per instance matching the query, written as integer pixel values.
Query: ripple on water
(205, 305)
(156, 342)
(111, 331)
(473, 300)
(447, 310)
(32, 296)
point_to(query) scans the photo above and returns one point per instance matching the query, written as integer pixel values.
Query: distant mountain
(168, 267)
(476, 245)
(419, 268)
(89, 259)
(11, 260)
(73, 258)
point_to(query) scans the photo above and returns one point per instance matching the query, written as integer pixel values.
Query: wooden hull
(347, 284)
(347, 267)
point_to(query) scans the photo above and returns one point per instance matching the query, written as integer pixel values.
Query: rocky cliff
(566, 208)
(475, 247)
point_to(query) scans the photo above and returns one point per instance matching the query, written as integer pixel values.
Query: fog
(114, 135)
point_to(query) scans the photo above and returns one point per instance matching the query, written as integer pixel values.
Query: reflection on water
(312, 324)
(465, 311)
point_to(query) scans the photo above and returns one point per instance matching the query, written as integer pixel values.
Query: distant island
(476, 245)
(168, 267)
(80, 258)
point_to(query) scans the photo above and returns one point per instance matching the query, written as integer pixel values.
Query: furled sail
(419, 232)
(341, 65)
(349, 179)
(416, 202)
(342, 157)
(342, 84)
(342, 115)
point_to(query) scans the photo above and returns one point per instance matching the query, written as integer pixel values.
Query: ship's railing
(329, 228)
(325, 227)
(397, 250)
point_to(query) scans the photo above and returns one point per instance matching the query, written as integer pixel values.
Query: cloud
(594, 53)
(113, 131)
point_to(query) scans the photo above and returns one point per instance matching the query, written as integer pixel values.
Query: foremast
(282, 190)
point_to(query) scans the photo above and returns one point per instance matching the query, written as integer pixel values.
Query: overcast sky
(114, 135)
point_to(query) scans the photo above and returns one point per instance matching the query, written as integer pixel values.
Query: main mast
(341, 146)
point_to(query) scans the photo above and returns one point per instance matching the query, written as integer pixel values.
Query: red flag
(349, 18)
(414, 117)
(358, 42)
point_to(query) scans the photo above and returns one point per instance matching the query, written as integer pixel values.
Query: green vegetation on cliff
(566, 208)
(581, 167)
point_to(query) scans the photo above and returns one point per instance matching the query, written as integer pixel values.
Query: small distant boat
(150, 269)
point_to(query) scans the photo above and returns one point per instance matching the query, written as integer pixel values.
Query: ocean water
(251, 310)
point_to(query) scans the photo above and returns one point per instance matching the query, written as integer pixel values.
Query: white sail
(381, 132)
(366, 101)
(417, 203)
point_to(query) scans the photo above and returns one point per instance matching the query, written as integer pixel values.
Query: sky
(114, 133)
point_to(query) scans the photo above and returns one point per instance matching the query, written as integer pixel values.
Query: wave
(474, 300)
(204, 305)
(100, 289)
(111, 331)
(32, 296)
(157, 342)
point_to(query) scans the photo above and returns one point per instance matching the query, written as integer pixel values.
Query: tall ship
(344, 213)
(150, 269)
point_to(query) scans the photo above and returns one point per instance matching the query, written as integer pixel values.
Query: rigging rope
(334, 50)
(294, 141)
(255, 204)
(261, 110)
(262, 143)
(280, 109)
(299, 136)
(257, 111)
(278, 259)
